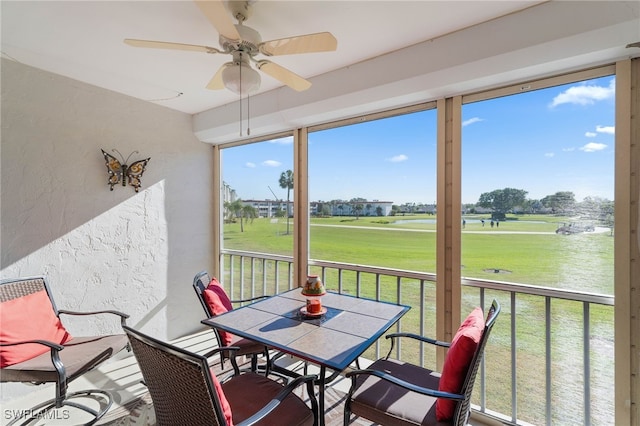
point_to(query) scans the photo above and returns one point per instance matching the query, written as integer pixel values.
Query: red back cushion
(226, 408)
(457, 361)
(219, 303)
(28, 317)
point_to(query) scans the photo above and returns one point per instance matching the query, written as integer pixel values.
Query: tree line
(501, 201)
(511, 200)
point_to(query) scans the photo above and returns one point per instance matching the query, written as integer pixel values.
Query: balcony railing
(549, 360)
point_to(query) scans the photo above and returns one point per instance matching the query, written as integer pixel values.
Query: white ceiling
(390, 53)
(84, 39)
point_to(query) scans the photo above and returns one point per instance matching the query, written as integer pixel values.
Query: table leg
(321, 384)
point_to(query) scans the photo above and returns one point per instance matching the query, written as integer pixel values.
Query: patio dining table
(333, 340)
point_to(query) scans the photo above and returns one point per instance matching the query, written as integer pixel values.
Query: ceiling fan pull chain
(240, 96)
(248, 116)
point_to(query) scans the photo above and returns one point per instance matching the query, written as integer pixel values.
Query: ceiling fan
(244, 43)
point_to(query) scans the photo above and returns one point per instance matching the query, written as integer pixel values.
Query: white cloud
(250, 165)
(585, 94)
(611, 130)
(398, 158)
(590, 134)
(593, 147)
(471, 121)
(271, 163)
(568, 149)
(287, 140)
(549, 154)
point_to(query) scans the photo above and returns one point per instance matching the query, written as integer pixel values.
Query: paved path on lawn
(433, 230)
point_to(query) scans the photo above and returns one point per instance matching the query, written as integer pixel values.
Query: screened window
(257, 199)
(372, 192)
(538, 196)
(372, 188)
(537, 187)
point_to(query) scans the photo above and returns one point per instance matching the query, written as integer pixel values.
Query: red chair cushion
(28, 317)
(219, 303)
(226, 408)
(457, 361)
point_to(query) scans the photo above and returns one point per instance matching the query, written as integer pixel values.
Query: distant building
(269, 208)
(228, 194)
(275, 208)
(348, 208)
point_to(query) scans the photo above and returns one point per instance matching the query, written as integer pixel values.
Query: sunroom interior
(138, 252)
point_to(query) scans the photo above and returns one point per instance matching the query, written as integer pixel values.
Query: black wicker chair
(246, 347)
(28, 354)
(184, 390)
(391, 392)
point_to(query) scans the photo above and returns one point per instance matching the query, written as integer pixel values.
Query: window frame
(449, 202)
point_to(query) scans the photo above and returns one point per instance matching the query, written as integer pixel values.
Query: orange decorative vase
(313, 290)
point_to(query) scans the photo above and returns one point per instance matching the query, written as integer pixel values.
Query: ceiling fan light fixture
(241, 78)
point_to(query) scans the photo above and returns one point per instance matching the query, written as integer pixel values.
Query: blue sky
(556, 139)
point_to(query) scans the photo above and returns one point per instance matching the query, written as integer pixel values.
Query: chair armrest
(251, 299)
(212, 352)
(420, 338)
(406, 385)
(52, 345)
(123, 316)
(232, 356)
(275, 402)
(395, 336)
(54, 350)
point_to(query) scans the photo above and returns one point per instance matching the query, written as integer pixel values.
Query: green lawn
(526, 250)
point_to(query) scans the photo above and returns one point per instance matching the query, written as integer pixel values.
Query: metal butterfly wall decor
(120, 172)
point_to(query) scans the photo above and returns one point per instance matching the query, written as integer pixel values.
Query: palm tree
(238, 209)
(233, 209)
(286, 182)
(358, 208)
(249, 212)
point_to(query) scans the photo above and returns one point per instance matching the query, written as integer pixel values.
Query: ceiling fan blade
(216, 82)
(170, 45)
(283, 75)
(219, 17)
(318, 42)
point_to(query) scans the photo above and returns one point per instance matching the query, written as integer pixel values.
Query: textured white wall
(134, 252)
